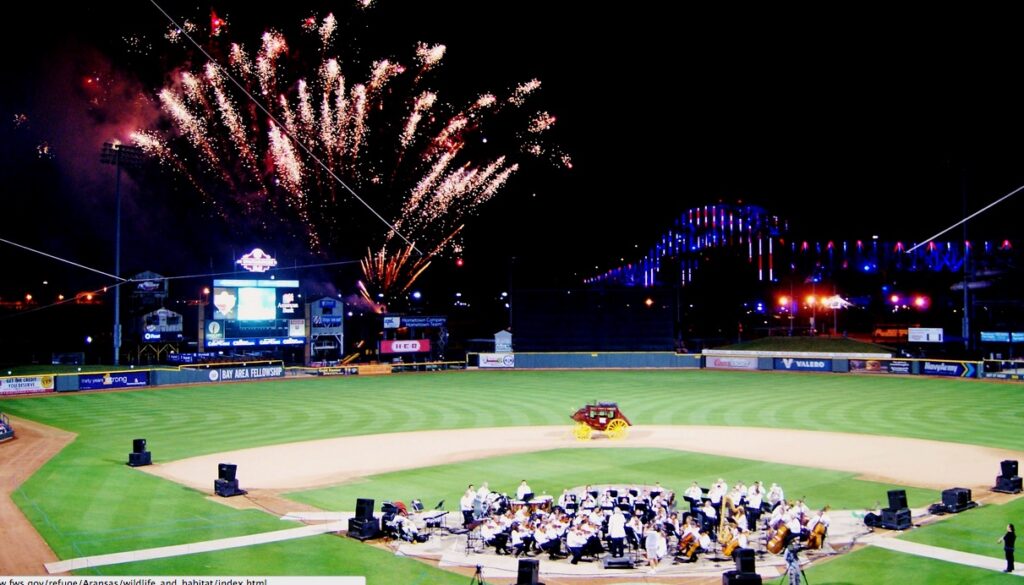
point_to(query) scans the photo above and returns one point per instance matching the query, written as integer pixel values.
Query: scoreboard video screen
(255, 313)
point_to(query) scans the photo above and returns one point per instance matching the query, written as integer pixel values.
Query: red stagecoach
(602, 416)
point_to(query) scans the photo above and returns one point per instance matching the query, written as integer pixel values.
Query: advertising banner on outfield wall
(26, 384)
(957, 369)
(497, 360)
(405, 346)
(803, 365)
(245, 373)
(731, 363)
(113, 380)
(880, 367)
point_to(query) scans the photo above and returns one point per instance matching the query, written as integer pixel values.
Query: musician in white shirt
(522, 490)
(617, 532)
(466, 505)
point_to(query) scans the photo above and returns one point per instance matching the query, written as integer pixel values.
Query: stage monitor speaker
(529, 570)
(139, 446)
(737, 578)
(227, 489)
(1009, 467)
(227, 471)
(364, 508)
(897, 499)
(364, 528)
(896, 519)
(744, 558)
(624, 562)
(956, 499)
(1008, 485)
(140, 459)
(872, 520)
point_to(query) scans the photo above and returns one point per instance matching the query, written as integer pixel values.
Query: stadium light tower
(118, 155)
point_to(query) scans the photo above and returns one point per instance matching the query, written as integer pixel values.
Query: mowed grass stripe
(883, 567)
(552, 471)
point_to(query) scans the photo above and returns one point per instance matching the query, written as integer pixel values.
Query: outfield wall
(605, 360)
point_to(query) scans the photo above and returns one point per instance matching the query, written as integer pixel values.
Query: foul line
(192, 548)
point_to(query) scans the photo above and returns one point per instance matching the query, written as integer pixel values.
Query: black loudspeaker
(529, 570)
(364, 508)
(737, 578)
(872, 520)
(896, 519)
(227, 471)
(744, 558)
(956, 499)
(364, 528)
(897, 499)
(1008, 485)
(227, 489)
(140, 459)
(139, 446)
(623, 562)
(1009, 467)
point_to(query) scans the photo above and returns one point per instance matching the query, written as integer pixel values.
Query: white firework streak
(358, 106)
(239, 60)
(494, 186)
(152, 145)
(306, 117)
(327, 29)
(383, 72)
(541, 122)
(286, 162)
(287, 114)
(423, 104)
(485, 101)
(266, 61)
(191, 87)
(364, 3)
(428, 57)
(523, 91)
(191, 126)
(341, 109)
(444, 139)
(232, 121)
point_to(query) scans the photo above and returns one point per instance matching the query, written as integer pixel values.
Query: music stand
(439, 505)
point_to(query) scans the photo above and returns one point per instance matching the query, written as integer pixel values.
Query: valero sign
(257, 261)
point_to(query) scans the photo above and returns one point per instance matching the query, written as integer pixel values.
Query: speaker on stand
(1008, 482)
(139, 456)
(529, 571)
(226, 484)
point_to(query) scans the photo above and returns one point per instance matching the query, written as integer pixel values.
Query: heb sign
(731, 363)
(249, 373)
(405, 346)
(497, 360)
(955, 369)
(113, 380)
(25, 384)
(803, 365)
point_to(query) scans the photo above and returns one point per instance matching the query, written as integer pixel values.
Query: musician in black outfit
(1008, 540)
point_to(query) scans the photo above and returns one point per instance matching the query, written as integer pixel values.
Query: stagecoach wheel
(582, 431)
(617, 429)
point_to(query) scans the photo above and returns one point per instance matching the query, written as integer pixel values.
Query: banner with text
(113, 380)
(880, 367)
(957, 369)
(405, 346)
(245, 373)
(731, 363)
(26, 384)
(803, 365)
(497, 360)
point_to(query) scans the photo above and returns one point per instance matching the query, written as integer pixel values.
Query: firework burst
(376, 126)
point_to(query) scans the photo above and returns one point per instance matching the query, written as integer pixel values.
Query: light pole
(118, 155)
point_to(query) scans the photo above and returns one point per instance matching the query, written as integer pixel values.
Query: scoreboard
(255, 313)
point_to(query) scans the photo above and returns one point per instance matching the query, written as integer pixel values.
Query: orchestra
(582, 524)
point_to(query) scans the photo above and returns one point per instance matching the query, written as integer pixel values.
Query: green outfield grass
(86, 501)
(551, 471)
(974, 531)
(876, 566)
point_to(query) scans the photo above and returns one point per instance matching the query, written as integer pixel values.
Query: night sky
(849, 123)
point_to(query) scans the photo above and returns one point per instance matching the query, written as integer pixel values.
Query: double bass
(778, 540)
(817, 537)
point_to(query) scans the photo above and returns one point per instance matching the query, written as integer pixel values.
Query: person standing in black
(1008, 540)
